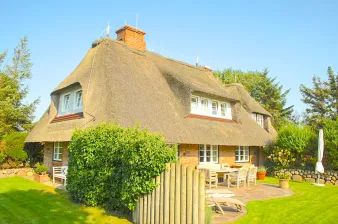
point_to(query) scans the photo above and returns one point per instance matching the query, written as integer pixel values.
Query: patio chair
(252, 175)
(211, 179)
(60, 172)
(238, 177)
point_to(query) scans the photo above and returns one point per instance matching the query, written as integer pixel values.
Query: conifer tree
(15, 114)
(322, 99)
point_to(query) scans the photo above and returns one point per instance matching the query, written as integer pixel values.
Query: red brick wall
(189, 155)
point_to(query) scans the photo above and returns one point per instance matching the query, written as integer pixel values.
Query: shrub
(41, 169)
(330, 159)
(296, 138)
(34, 152)
(280, 158)
(13, 148)
(111, 166)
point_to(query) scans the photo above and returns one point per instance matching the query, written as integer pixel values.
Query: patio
(260, 191)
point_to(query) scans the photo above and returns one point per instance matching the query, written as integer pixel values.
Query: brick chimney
(132, 37)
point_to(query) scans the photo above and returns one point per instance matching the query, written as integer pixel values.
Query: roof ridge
(180, 62)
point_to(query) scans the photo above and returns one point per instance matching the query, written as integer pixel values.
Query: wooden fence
(178, 199)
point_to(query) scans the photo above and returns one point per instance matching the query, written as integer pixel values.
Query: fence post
(141, 211)
(166, 195)
(172, 194)
(145, 209)
(161, 211)
(201, 198)
(157, 199)
(183, 194)
(195, 197)
(189, 194)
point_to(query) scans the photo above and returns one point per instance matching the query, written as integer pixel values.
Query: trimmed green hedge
(111, 166)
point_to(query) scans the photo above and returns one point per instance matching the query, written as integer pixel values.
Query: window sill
(67, 117)
(242, 161)
(210, 118)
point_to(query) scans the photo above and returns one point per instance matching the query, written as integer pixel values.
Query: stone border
(20, 172)
(328, 178)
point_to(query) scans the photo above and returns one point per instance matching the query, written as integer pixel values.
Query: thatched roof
(251, 105)
(126, 86)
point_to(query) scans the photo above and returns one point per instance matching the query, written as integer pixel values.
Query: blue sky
(294, 40)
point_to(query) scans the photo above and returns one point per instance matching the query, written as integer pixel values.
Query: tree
(265, 90)
(15, 114)
(322, 99)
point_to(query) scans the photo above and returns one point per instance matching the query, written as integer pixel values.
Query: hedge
(111, 166)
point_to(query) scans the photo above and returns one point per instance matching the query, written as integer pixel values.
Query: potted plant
(284, 180)
(40, 173)
(261, 173)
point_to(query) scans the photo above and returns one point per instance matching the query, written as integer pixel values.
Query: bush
(298, 139)
(34, 152)
(294, 147)
(330, 159)
(11, 149)
(111, 166)
(41, 169)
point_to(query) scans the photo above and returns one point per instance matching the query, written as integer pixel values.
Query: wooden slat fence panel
(179, 198)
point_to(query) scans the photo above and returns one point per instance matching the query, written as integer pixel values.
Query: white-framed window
(57, 152)
(258, 118)
(208, 153)
(78, 99)
(242, 154)
(66, 102)
(210, 107)
(70, 101)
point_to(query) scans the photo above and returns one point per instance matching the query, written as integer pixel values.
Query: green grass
(309, 204)
(26, 201)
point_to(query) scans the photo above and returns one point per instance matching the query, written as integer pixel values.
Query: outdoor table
(226, 172)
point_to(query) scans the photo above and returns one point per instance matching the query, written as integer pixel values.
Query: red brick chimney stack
(132, 37)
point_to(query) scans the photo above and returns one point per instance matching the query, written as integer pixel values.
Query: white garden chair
(238, 177)
(252, 175)
(60, 172)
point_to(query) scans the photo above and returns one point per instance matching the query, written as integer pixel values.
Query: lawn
(26, 201)
(309, 204)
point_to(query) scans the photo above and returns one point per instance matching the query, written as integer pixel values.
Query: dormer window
(70, 101)
(210, 107)
(258, 118)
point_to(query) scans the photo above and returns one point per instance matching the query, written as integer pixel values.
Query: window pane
(214, 107)
(208, 147)
(78, 99)
(66, 102)
(202, 159)
(237, 158)
(246, 158)
(223, 109)
(201, 153)
(214, 157)
(194, 101)
(208, 159)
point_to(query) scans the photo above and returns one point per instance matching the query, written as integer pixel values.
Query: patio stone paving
(253, 192)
